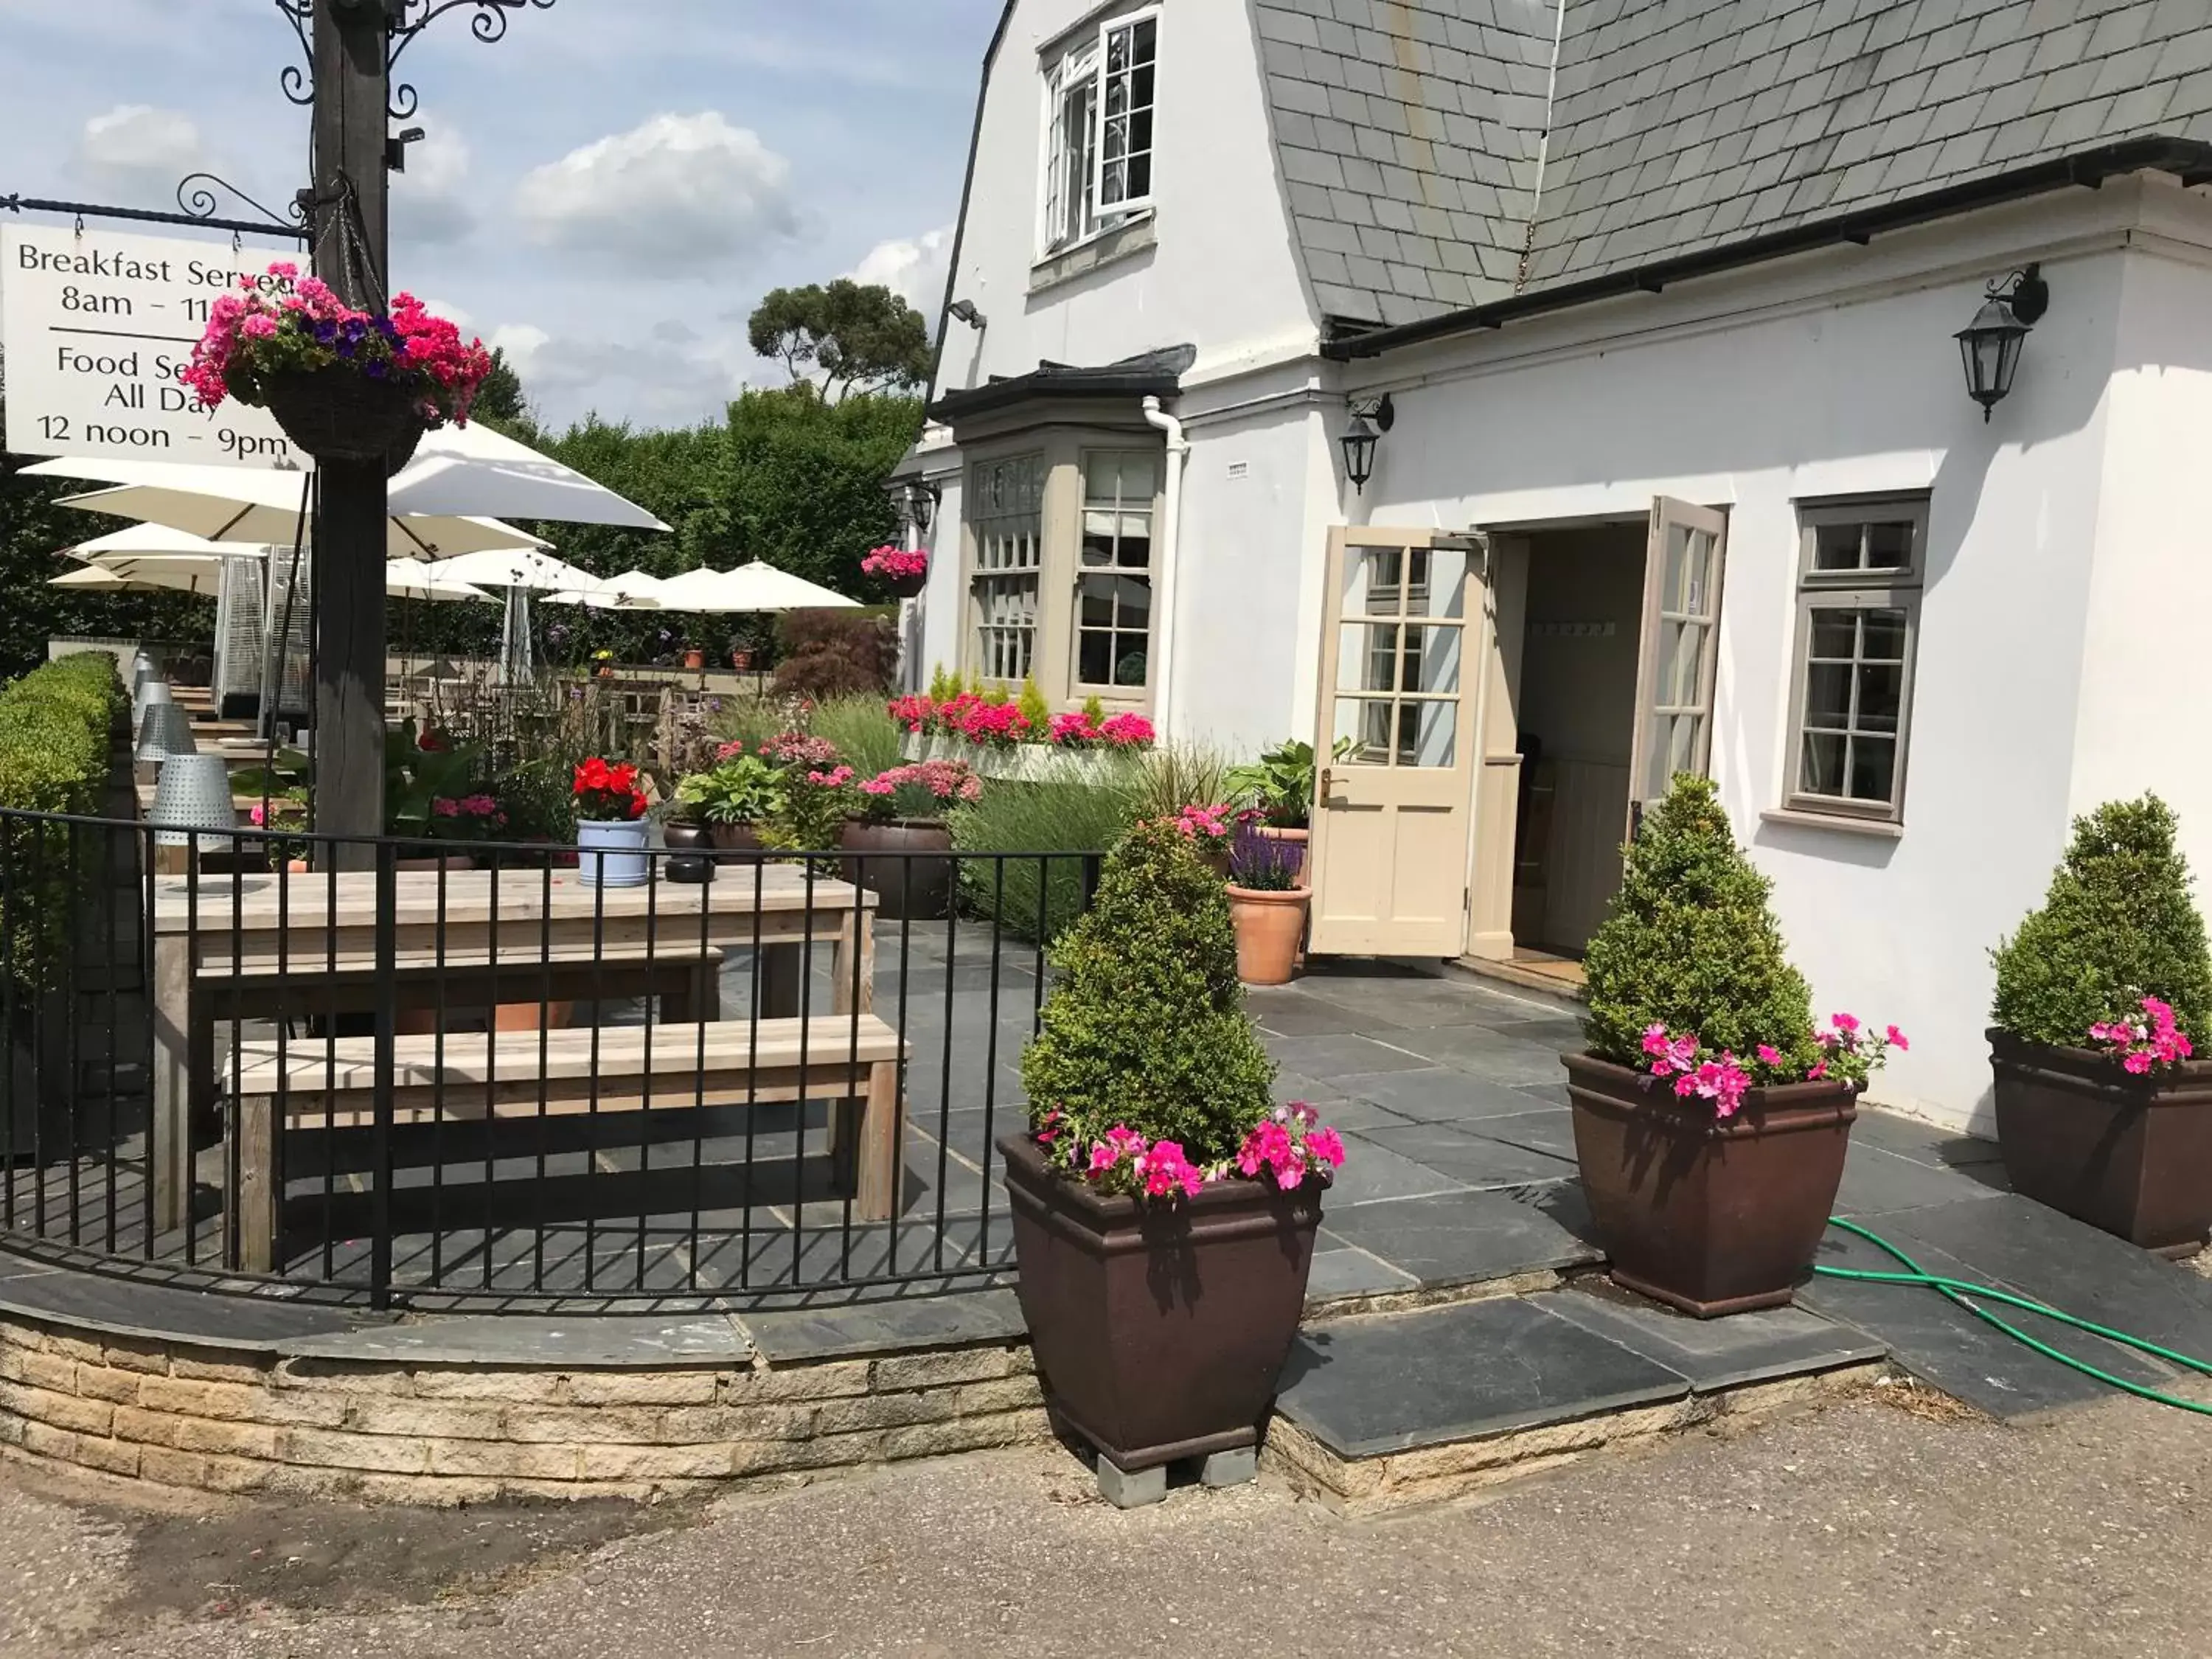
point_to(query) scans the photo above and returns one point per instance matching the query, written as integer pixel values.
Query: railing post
(387, 948)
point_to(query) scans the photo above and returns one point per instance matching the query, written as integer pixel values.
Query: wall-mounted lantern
(1990, 345)
(918, 503)
(1368, 422)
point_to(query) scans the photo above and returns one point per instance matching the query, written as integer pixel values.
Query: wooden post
(352, 86)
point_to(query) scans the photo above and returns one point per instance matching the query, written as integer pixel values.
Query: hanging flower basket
(904, 573)
(345, 384)
(337, 414)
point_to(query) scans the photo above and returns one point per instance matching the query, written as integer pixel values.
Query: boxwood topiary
(2117, 925)
(1690, 943)
(1146, 1028)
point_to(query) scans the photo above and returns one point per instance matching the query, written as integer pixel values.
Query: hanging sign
(97, 329)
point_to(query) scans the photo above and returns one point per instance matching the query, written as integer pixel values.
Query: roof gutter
(2191, 159)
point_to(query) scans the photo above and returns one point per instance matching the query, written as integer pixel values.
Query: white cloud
(430, 201)
(914, 269)
(138, 143)
(680, 187)
(671, 374)
(459, 316)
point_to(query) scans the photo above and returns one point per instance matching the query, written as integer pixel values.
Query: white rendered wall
(1784, 403)
(1221, 274)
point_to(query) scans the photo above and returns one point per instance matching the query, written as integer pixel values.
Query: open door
(1396, 743)
(1682, 568)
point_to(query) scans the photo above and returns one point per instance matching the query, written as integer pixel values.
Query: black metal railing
(433, 1075)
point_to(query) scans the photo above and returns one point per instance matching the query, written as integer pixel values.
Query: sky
(606, 192)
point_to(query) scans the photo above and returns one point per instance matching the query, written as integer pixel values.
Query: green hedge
(54, 734)
(55, 744)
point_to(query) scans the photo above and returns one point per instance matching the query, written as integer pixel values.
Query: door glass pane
(1684, 585)
(1432, 660)
(1835, 635)
(1427, 733)
(1368, 725)
(1367, 657)
(1438, 583)
(1374, 580)
(1681, 665)
(1883, 638)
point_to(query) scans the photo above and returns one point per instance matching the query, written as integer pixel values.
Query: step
(1392, 1411)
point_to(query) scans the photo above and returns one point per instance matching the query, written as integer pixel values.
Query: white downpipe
(1169, 561)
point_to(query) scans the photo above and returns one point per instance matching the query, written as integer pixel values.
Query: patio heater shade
(150, 692)
(166, 731)
(193, 794)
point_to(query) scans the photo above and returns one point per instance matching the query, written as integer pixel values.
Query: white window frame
(1890, 588)
(988, 527)
(1061, 224)
(1150, 510)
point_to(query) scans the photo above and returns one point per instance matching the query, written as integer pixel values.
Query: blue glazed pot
(612, 854)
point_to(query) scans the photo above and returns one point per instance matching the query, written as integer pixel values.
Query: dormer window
(1099, 99)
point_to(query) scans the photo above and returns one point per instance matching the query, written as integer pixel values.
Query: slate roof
(1444, 154)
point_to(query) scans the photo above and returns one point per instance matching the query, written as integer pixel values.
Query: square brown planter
(1161, 1329)
(2131, 1155)
(1708, 1214)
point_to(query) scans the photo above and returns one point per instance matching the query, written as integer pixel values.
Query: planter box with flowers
(1164, 1206)
(2102, 996)
(903, 573)
(998, 739)
(344, 385)
(901, 816)
(610, 825)
(1710, 1119)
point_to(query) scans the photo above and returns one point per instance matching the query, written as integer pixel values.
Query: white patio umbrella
(409, 579)
(153, 541)
(631, 590)
(175, 572)
(239, 504)
(472, 469)
(756, 587)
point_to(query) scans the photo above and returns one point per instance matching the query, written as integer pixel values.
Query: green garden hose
(1967, 1296)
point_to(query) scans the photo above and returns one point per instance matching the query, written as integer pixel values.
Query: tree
(501, 401)
(858, 339)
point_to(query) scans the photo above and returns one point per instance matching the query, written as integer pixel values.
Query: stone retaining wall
(463, 1434)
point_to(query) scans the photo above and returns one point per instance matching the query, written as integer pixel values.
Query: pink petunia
(1897, 1039)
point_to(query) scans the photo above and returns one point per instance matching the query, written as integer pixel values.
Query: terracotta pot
(606, 673)
(2132, 1154)
(1161, 1329)
(694, 658)
(679, 836)
(1300, 836)
(1269, 926)
(909, 885)
(741, 660)
(1710, 1215)
(507, 1016)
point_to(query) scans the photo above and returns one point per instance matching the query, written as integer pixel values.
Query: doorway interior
(1574, 702)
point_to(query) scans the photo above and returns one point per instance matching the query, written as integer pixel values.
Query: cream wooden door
(1683, 564)
(1397, 743)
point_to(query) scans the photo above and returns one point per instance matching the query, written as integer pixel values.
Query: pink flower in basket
(896, 564)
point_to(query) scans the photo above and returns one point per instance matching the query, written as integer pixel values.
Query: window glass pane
(1373, 580)
(1874, 768)
(1437, 582)
(1882, 635)
(1836, 546)
(1828, 696)
(1835, 634)
(1113, 621)
(1009, 529)
(1127, 128)
(1822, 773)
(1881, 697)
(1889, 546)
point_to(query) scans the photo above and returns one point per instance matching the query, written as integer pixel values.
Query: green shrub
(1035, 898)
(2117, 925)
(1146, 1028)
(55, 745)
(1690, 943)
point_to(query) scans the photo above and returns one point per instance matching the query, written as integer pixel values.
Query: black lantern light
(1990, 345)
(1368, 422)
(919, 503)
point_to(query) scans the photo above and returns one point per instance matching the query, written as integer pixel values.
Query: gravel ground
(1866, 1528)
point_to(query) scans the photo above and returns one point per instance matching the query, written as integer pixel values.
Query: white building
(1659, 291)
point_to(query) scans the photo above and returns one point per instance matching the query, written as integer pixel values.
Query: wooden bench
(850, 1061)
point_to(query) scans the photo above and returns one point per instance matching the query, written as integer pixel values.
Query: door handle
(1327, 779)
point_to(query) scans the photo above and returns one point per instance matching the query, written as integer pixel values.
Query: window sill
(1880, 828)
(1104, 248)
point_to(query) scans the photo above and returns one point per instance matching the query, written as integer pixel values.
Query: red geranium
(609, 794)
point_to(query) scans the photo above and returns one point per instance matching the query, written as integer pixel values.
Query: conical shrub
(2117, 925)
(1146, 1027)
(1690, 943)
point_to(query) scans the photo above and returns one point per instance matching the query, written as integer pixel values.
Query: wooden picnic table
(259, 945)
